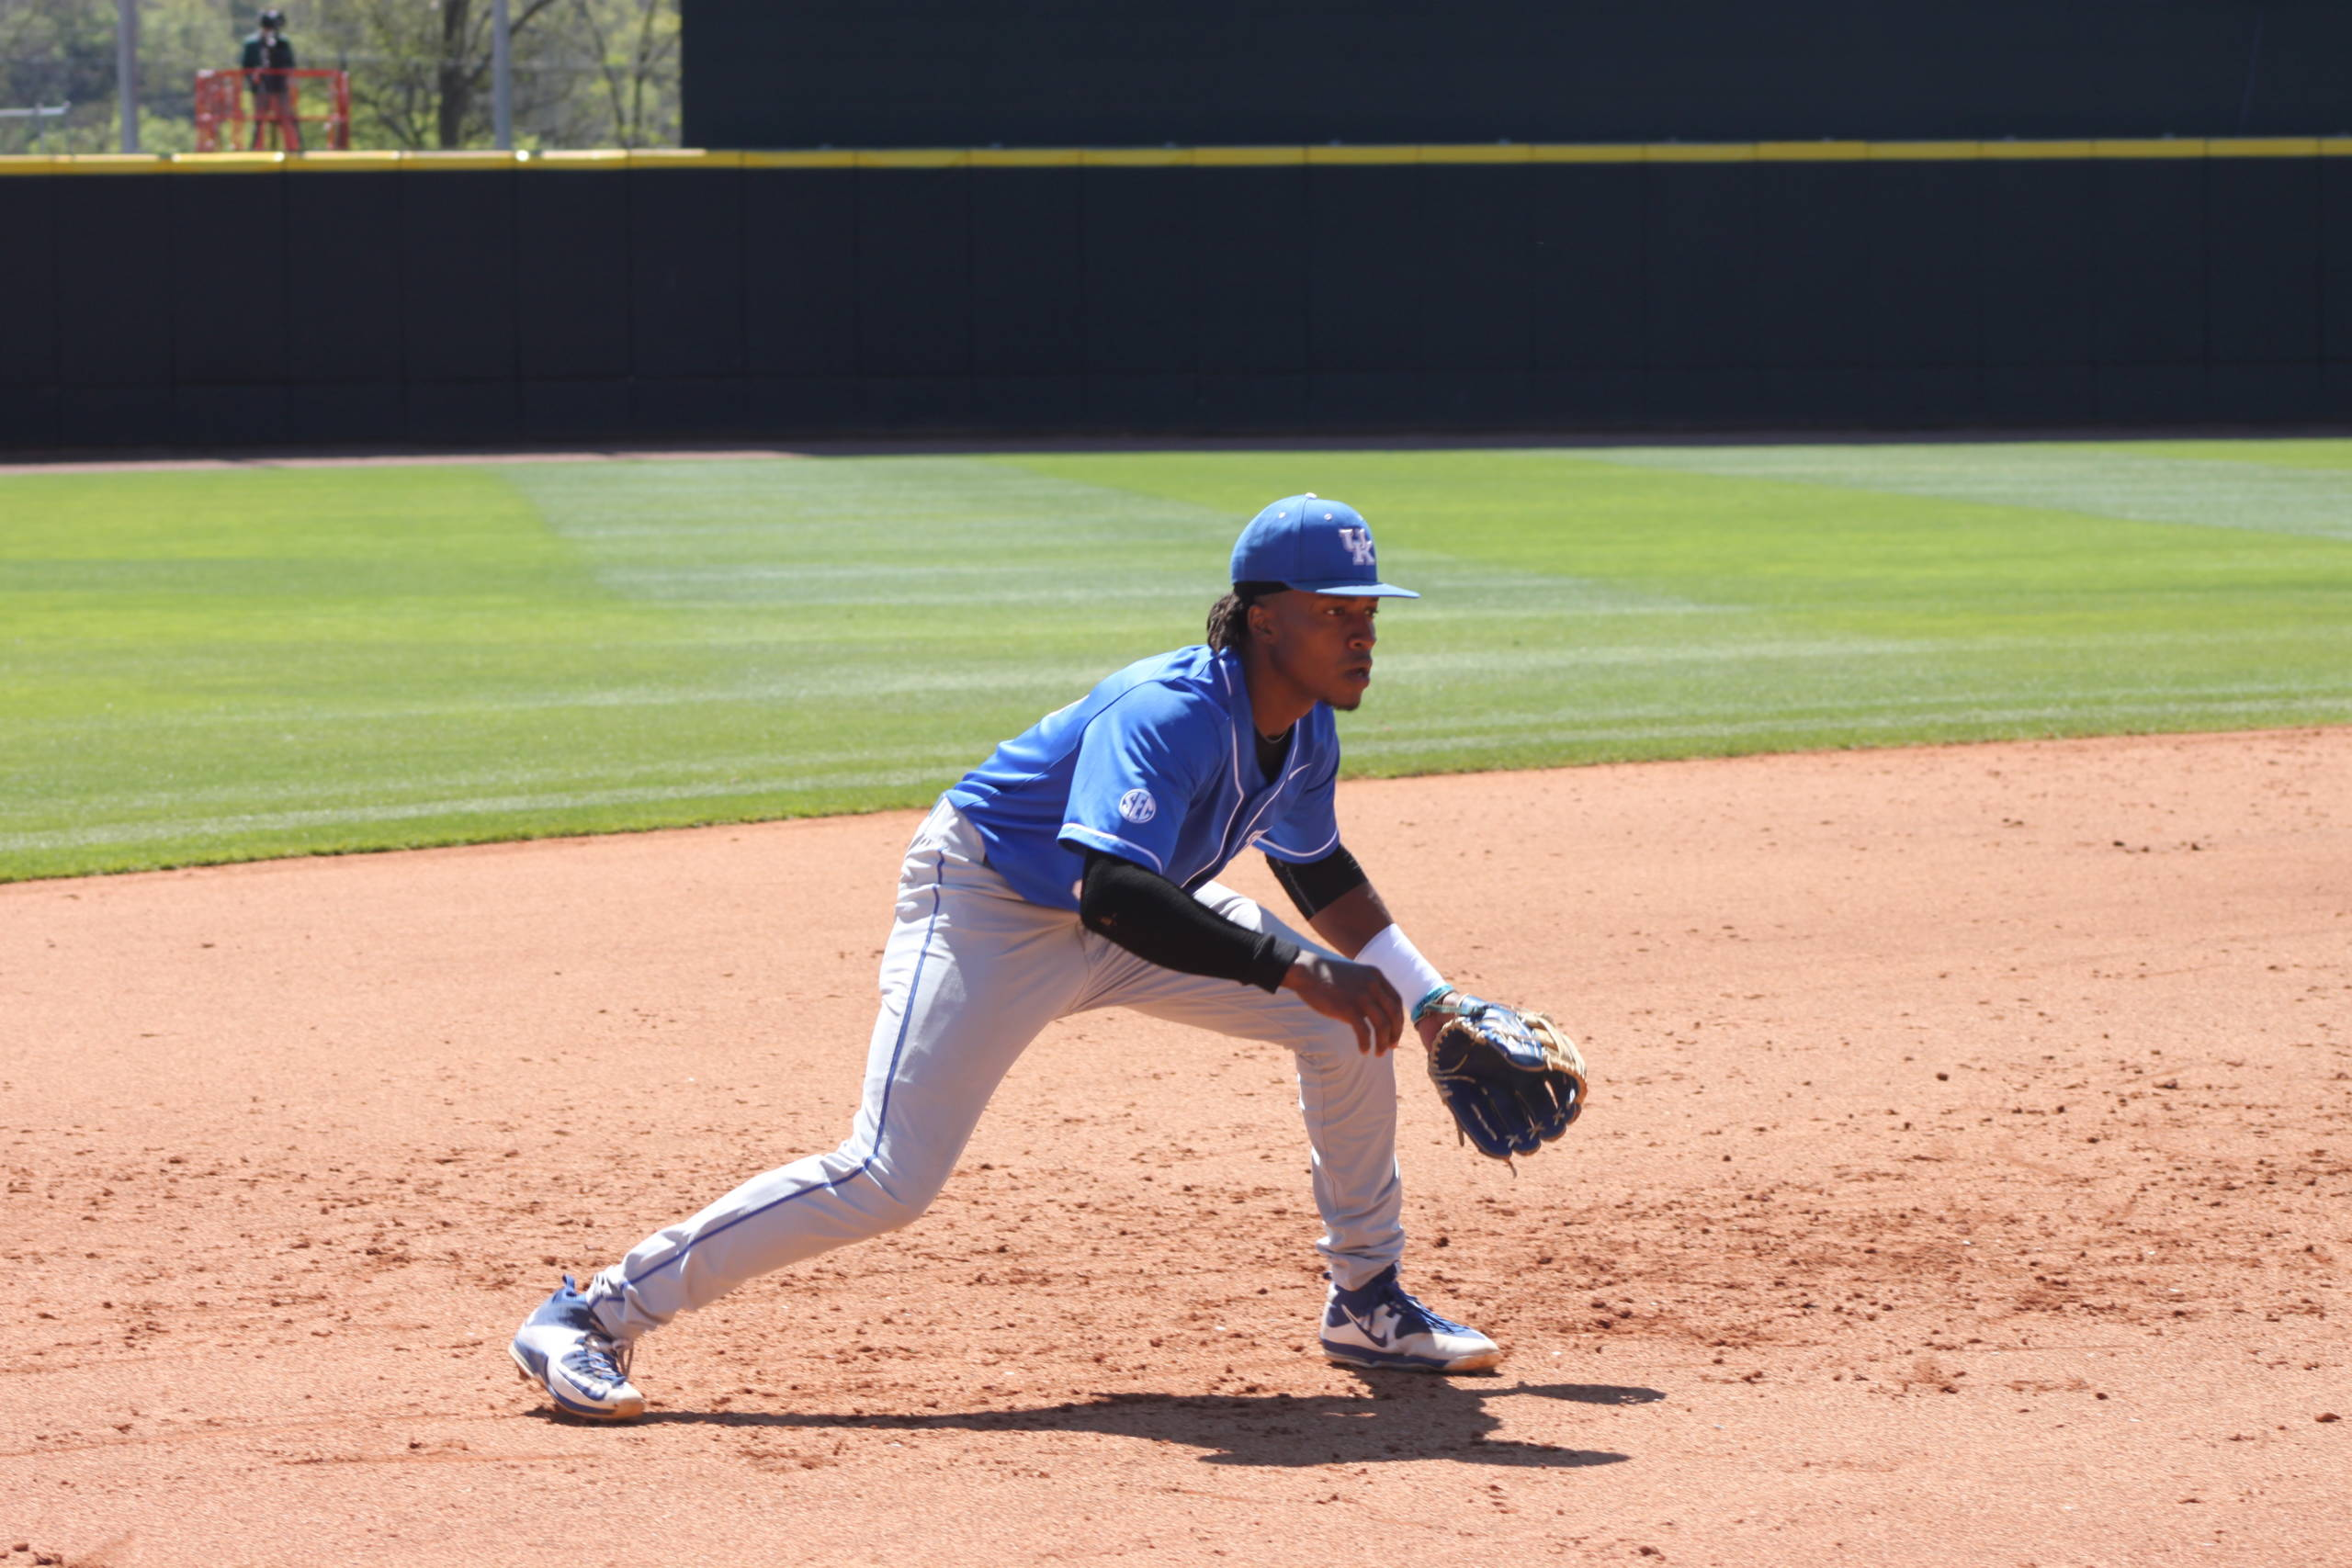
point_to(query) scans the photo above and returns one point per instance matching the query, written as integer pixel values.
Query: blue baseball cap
(1321, 546)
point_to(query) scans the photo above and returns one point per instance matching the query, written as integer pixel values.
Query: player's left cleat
(1380, 1325)
(584, 1370)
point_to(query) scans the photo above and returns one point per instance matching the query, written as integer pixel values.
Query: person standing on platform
(267, 59)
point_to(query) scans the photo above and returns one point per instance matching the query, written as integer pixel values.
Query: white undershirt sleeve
(1394, 954)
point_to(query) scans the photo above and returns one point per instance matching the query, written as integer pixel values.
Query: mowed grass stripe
(216, 666)
(2129, 483)
(1970, 718)
(1850, 726)
(798, 780)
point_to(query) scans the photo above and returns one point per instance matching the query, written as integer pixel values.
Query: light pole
(501, 78)
(126, 70)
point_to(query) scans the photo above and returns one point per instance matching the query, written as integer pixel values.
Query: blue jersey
(1158, 765)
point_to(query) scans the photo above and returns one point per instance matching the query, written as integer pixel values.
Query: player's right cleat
(584, 1370)
(1380, 1325)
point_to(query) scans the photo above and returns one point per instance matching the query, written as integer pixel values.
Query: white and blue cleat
(1380, 1325)
(584, 1370)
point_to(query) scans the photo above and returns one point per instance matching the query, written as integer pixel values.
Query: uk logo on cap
(1322, 547)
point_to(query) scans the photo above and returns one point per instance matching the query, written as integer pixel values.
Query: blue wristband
(1430, 1001)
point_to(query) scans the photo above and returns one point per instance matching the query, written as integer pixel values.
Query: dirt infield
(1969, 1182)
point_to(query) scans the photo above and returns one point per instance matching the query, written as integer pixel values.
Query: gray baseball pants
(972, 973)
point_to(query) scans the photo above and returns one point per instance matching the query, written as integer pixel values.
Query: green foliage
(58, 53)
(586, 73)
(219, 666)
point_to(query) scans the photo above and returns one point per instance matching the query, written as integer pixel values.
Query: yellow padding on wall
(458, 159)
(2264, 147)
(2167, 147)
(1700, 153)
(1020, 157)
(2151, 147)
(86, 163)
(1477, 153)
(1584, 153)
(1920, 152)
(1244, 157)
(822, 158)
(915, 158)
(1137, 157)
(1812, 151)
(1345, 154)
(682, 158)
(2033, 149)
(342, 163)
(582, 158)
(227, 162)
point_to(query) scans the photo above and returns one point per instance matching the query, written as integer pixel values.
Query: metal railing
(38, 114)
(277, 117)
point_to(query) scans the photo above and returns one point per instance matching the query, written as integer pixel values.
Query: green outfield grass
(206, 666)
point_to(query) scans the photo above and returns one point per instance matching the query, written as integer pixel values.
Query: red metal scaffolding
(249, 110)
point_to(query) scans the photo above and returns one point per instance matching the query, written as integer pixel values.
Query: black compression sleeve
(1319, 883)
(1155, 919)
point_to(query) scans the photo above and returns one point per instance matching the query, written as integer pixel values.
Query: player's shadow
(1399, 1415)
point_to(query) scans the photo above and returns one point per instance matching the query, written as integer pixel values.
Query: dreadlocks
(1229, 616)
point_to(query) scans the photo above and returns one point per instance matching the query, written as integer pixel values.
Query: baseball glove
(1513, 1081)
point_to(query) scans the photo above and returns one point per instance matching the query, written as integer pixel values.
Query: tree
(57, 52)
(428, 75)
(586, 73)
(636, 44)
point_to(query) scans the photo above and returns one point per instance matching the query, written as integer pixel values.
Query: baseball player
(1075, 869)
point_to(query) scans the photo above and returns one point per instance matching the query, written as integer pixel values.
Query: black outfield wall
(1235, 291)
(1150, 72)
